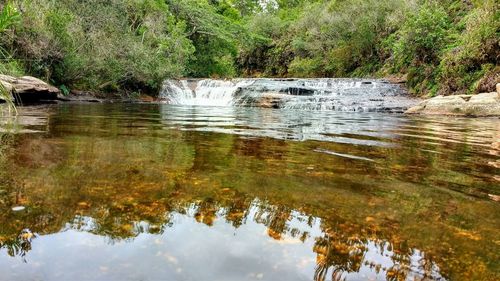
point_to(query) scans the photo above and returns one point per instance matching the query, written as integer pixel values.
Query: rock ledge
(480, 105)
(28, 89)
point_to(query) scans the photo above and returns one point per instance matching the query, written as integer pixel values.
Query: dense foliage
(440, 46)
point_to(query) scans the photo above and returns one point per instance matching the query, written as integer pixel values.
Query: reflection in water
(298, 125)
(155, 192)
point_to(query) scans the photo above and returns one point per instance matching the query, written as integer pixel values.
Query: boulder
(480, 105)
(28, 89)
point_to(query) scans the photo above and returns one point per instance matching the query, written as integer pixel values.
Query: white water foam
(208, 92)
(365, 95)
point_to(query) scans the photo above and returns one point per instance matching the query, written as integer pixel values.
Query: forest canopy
(440, 46)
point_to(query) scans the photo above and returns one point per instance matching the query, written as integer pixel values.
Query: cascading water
(368, 95)
(206, 92)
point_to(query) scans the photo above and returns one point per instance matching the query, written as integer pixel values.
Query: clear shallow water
(161, 192)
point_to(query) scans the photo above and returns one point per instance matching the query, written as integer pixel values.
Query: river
(191, 192)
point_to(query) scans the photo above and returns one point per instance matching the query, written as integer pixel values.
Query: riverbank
(336, 94)
(30, 90)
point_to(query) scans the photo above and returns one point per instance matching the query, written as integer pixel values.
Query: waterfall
(207, 92)
(308, 94)
(177, 92)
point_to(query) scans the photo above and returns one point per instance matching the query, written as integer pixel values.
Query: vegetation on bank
(8, 17)
(441, 46)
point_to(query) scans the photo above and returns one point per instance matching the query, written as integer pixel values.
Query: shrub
(475, 52)
(336, 38)
(102, 45)
(417, 45)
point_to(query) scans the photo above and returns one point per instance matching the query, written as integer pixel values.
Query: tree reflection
(339, 249)
(338, 254)
(20, 245)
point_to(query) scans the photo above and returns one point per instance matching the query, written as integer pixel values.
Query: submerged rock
(18, 208)
(480, 105)
(28, 89)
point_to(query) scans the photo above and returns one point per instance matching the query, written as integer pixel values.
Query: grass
(9, 101)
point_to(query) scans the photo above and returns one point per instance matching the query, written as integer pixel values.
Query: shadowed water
(163, 192)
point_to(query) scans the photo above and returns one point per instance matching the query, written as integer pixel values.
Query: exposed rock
(485, 104)
(269, 100)
(298, 91)
(29, 89)
(498, 88)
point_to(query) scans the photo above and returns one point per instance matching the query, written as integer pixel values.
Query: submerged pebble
(18, 208)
